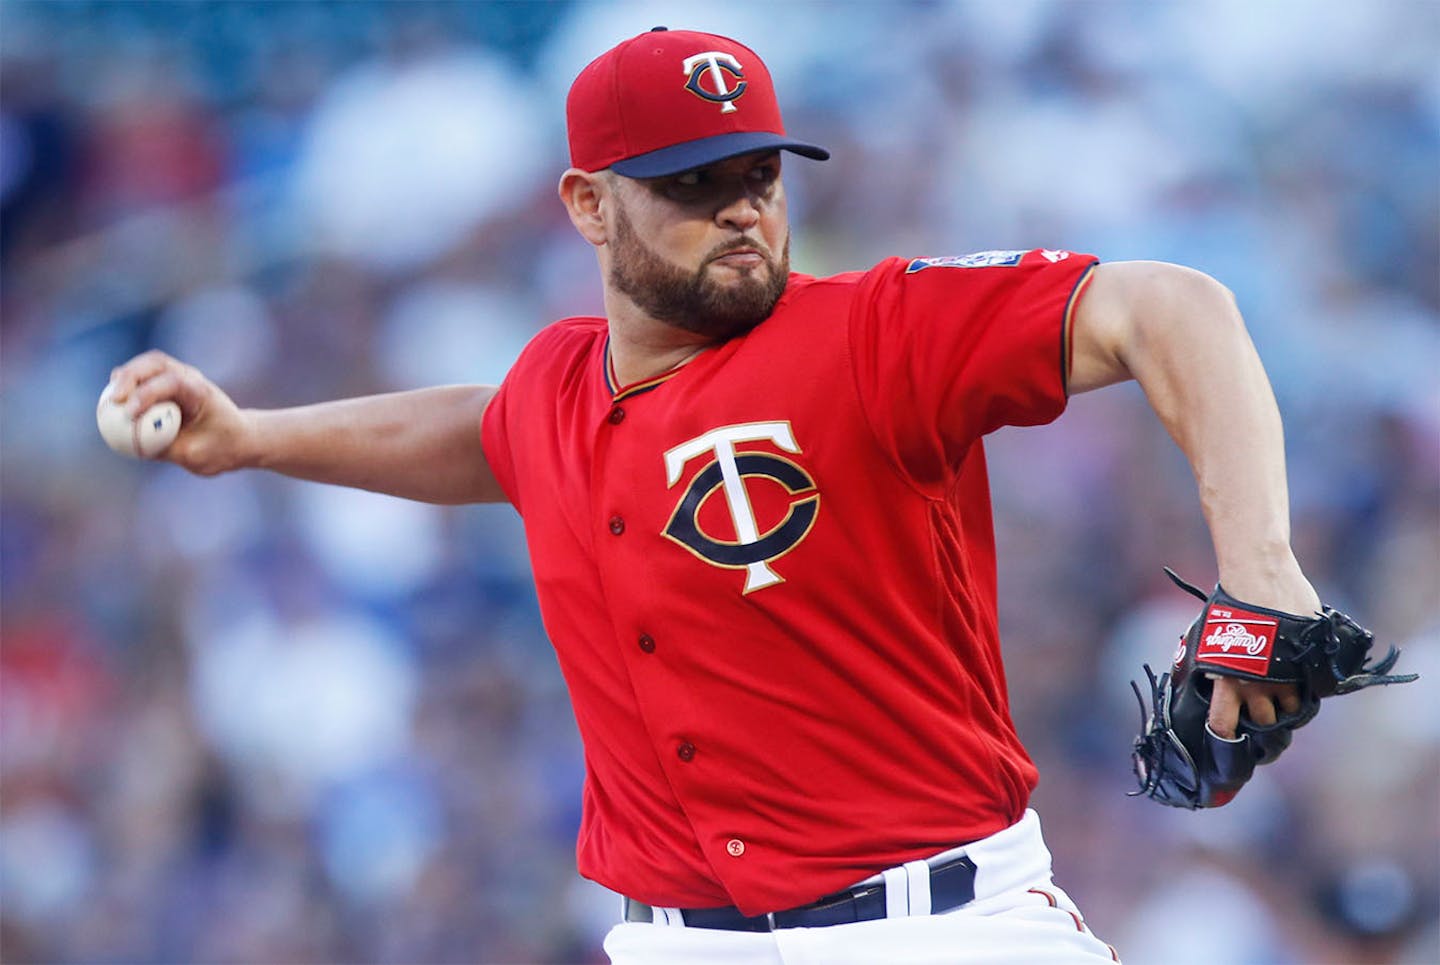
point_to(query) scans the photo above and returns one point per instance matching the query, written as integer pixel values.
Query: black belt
(952, 884)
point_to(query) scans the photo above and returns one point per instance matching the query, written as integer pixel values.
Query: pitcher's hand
(215, 434)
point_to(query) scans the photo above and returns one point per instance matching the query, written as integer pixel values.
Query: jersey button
(647, 643)
(734, 847)
(617, 525)
(617, 415)
(686, 751)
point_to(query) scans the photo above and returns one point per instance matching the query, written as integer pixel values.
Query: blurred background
(250, 720)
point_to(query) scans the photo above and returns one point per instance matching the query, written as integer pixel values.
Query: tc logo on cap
(627, 111)
(715, 64)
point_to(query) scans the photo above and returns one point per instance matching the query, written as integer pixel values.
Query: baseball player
(758, 515)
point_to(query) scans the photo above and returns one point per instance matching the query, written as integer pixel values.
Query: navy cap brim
(708, 150)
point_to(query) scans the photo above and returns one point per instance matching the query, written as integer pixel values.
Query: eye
(764, 170)
(689, 179)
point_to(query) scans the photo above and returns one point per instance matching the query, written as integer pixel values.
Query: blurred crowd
(251, 720)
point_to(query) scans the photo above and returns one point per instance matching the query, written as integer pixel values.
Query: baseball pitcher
(758, 515)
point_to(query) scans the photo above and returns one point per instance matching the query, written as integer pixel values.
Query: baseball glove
(1178, 760)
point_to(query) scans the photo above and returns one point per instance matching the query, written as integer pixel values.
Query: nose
(741, 212)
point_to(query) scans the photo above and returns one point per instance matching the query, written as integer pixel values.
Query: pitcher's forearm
(1180, 335)
(422, 445)
(1201, 374)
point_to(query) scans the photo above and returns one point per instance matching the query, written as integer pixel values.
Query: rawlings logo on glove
(1248, 634)
(1178, 759)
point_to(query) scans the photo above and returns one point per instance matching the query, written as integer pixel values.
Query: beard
(694, 301)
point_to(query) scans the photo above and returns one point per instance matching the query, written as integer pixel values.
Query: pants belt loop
(918, 875)
(671, 916)
(897, 893)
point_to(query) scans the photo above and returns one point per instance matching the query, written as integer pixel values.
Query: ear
(582, 193)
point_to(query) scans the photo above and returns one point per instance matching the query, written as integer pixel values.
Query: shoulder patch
(978, 259)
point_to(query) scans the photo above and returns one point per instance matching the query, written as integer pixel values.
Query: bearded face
(716, 301)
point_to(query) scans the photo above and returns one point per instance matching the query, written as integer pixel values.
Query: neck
(642, 347)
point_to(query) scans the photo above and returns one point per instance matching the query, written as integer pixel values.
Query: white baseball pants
(1018, 917)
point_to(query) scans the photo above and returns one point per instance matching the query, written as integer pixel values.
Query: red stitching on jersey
(1114, 955)
(1046, 895)
(1079, 925)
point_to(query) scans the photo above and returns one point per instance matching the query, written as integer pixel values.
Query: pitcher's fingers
(143, 366)
(164, 385)
(1261, 707)
(1224, 707)
(194, 391)
(1290, 700)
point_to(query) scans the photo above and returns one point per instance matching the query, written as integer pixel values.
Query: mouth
(740, 258)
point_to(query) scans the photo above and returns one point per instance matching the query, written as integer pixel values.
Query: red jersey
(769, 575)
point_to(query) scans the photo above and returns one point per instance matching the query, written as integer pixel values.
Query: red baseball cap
(671, 100)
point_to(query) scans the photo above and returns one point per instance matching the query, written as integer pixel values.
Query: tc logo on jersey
(713, 65)
(749, 505)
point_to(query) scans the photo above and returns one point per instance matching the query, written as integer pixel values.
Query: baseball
(142, 438)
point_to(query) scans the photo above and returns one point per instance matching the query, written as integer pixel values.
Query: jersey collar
(618, 391)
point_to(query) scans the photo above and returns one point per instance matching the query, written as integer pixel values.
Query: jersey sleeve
(555, 375)
(495, 440)
(947, 350)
